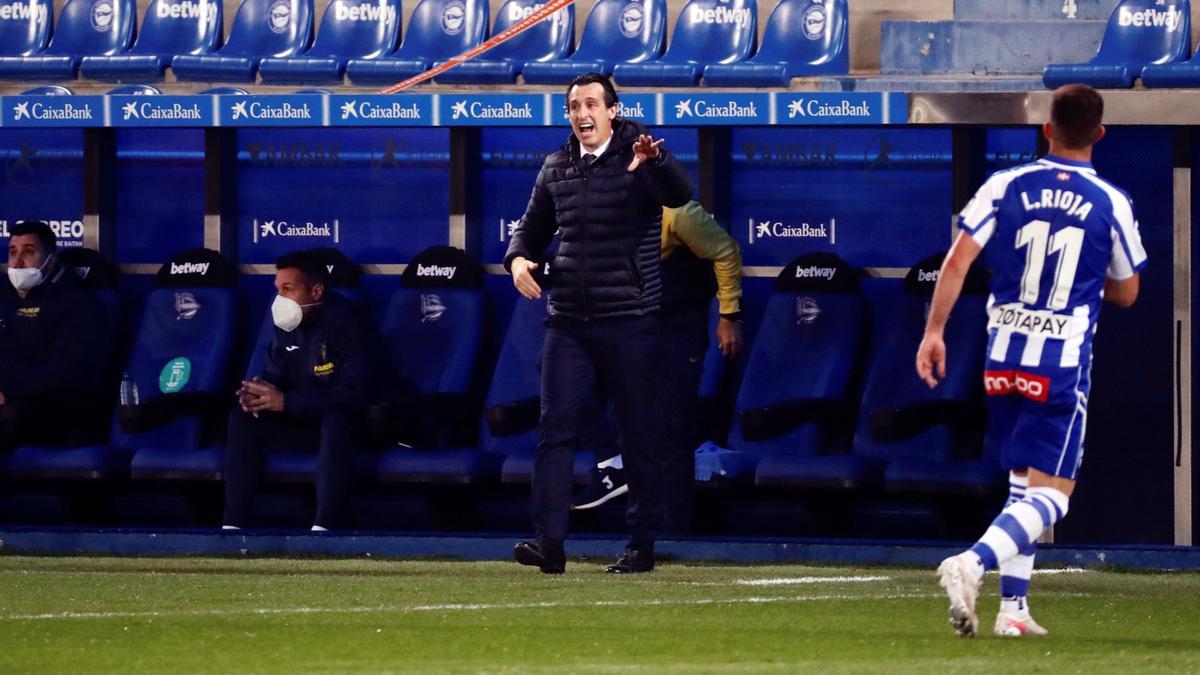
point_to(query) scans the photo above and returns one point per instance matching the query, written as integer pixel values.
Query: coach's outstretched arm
(530, 239)
(932, 352)
(671, 184)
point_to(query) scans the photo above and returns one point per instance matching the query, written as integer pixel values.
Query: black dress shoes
(544, 554)
(632, 561)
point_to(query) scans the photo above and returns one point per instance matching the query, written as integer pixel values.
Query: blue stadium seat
(433, 330)
(85, 27)
(223, 91)
(803, 38)
(511, 408)
(547, 40)
(48, 90)
(904, 426)
(708, 32)
(95, 461)
(261, 29)
(181, 363)
(437, 30)
(617, 31)
(796, 397)
(1139, 33)
(350, 29)
(169, 27)
(27, 29)
(135, 90)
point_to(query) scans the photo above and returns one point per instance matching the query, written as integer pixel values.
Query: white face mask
(26, 278)
(288, 313)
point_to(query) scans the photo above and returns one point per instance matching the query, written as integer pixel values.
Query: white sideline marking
(1065, 570)
(786, 581)
(455, 607)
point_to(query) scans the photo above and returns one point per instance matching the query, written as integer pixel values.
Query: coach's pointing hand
(522, 275)
(645, 148)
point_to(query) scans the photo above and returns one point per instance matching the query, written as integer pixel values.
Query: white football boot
(958, 575)
(1017, 624)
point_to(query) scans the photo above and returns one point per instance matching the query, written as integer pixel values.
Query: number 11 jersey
(1052, 230)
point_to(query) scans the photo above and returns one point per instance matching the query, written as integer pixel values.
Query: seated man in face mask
(50, 372)
(312, 392)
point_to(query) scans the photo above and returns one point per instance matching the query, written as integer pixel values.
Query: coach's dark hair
(1076, 114)
(41, 230)
(610, 92)
(308, 264)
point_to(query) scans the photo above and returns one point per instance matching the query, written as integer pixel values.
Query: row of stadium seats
(1145, 39)
(818, 407)
(714, 40)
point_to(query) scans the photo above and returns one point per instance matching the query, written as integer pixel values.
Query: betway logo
(364, 12)
(436, 271)
(702, 108)
(43, 111)
(516, 12)
(814, 272)
(1002, 382)
(933, 276)
(261, 111)
(20, 12)
(189, 268)
(481, 111)
(148, 110)
(719, 15)
(813, 108)
(766, 229)
(1150, 18)
(205, 11)
(369, 111)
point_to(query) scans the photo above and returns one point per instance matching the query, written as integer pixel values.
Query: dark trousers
(678, 368)
(331, 436)
(580, 359)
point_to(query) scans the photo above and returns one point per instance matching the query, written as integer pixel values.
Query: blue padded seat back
(1145, 31)
(440, 29)
(180, 27)
(433, 337)
(94, 27)
(48, 90)
(714, 360)
(714, 31)
(25, 26)
(549, 39)
(627, 31)
(135, 90)
(892, 383)
(358, 29)
(517, 375)
(807, 350)
(270, 28)
(806, 31)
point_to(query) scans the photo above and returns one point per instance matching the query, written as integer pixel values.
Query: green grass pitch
(65, 615)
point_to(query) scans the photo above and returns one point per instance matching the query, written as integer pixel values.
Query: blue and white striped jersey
(1056, 231)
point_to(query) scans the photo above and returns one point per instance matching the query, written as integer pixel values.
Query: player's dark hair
(1076, 113)
(41, 230)
(309, 265)
(610, 92)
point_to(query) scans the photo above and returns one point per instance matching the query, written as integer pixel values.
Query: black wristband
(733, 316)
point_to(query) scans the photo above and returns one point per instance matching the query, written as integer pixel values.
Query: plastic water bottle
(129, 390)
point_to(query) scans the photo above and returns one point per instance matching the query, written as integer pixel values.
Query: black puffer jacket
(610, 222)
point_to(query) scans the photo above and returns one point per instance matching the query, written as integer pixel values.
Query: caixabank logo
(272, 111)
(760, 230)
(53, 111)
(820, 109)
(698, 109)
(640, 107)
(493, 110)
(265, 230)
(376, 110)
(161, 111)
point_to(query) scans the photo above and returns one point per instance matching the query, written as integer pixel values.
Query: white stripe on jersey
(1128, 252)
(978, 217)
(1070, 350)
